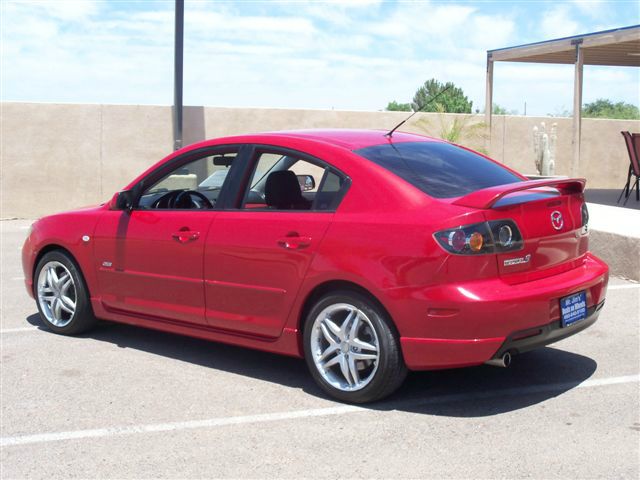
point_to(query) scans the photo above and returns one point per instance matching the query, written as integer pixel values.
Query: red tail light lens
(466, 240)
(457, 240)
(496, 236)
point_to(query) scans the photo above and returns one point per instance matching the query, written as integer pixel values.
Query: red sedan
(364, 253)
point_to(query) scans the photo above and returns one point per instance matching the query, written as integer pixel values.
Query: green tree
(604, 108)
(398, 107)
(499, 110)
(452, 101)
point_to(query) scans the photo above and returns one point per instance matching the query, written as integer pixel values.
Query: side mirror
(306, 182)
(122, 201)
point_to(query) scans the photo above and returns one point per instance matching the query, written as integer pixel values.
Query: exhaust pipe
(504, 361)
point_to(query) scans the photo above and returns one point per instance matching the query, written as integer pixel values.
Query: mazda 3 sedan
(366, 254)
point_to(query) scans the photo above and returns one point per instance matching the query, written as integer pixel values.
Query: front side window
(194, 185)
(439, 169)
(287, 182)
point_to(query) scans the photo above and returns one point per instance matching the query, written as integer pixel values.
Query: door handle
(184, 235)
(293, 241)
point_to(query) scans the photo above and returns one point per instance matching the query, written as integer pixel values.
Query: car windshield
(215, 180)
(439, 169)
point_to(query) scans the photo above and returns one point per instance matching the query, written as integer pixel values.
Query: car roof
(352, 139)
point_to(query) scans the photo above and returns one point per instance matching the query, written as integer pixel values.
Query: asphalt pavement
(124, 402)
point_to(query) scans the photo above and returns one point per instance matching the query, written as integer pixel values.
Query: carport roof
(617, 47)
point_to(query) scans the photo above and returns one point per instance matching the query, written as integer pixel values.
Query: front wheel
(61, 294)
(352, 349)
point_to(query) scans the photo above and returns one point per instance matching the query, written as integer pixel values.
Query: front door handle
(185, 235)
(293, 241)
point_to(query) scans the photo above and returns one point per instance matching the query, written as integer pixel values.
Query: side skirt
(286, 344)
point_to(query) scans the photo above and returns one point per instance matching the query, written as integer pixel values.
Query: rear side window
(439, 169)
(284, 181)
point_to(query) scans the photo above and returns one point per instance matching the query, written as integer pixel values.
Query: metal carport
(619, 47)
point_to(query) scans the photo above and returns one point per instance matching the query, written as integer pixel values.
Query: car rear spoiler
(487, 197)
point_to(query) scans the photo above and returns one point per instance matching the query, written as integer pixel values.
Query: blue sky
(347, 55)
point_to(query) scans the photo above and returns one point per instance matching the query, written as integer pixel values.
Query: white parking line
(317, 412)
(16, 330)
(623, 287)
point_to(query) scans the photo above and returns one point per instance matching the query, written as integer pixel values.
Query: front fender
(67, 231)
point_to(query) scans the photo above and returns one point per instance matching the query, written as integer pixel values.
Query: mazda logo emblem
(557, 221)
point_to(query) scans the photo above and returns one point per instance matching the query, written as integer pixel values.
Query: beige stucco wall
(55, 157)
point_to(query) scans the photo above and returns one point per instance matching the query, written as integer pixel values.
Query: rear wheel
(352, 349)
(61, 293)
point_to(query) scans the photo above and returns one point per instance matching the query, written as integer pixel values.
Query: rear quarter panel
(381, 239)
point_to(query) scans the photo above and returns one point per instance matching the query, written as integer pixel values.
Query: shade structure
(618, 47)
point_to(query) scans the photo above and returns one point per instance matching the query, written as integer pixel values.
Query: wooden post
(577, 108)
(488, 109)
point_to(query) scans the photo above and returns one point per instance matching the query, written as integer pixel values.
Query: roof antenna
(389, 134)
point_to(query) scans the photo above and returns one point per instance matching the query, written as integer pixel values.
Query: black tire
(391, 370)
(82, 319)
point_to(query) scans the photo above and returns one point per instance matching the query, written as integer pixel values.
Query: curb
(621, 253)
(614, 236)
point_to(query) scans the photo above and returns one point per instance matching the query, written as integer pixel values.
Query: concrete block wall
(60, 156)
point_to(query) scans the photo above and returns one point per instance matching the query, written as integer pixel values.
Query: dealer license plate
(573, 308)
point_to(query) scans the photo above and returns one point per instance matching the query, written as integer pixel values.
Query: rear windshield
(439, 169)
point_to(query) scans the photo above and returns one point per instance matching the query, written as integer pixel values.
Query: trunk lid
(548, 214)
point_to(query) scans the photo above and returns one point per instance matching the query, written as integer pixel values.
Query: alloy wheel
(345, 347)
(56, 293)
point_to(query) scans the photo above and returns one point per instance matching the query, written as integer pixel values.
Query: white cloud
(598, 81)
(347, 55)
(215, 23)
(340, 12)
(558, 22)
(492, 31)
(423, 20)
(65, 10)
(592, 8)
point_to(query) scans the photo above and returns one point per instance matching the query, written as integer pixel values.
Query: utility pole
(177, 75)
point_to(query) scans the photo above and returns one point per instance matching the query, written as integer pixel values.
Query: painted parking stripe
(317, 412)
(623, 287)
(21, 329)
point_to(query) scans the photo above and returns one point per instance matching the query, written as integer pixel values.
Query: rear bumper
(464, 325)
(524, 341)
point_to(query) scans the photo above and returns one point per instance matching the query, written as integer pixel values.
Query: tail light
(585, 218)
(497, 236)
(507, 236)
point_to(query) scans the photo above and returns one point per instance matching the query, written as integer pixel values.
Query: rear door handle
(293, 241)
(185, 235)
